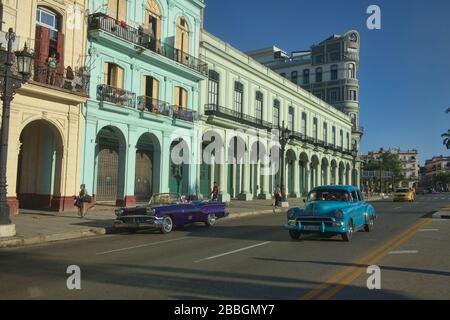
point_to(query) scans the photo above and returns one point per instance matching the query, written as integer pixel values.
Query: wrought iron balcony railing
(137, 36)
(154, 106)
(216, 110)
(359, 130)
(73, 80)
(184, 114)
(117, 96)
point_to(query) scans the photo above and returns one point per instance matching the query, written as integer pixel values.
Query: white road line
(234, 251)
(427, 230)
(404, 252)
(141, 246)
(397, 208)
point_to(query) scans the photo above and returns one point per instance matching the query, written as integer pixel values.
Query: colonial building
(433, 167)
(409, 160)
(242, 103)
(46, 120)
(144, 98)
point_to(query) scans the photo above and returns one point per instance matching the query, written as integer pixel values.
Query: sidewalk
(34, 227)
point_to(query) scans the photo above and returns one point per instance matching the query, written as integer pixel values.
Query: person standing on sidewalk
(80, 200)
(215, 192)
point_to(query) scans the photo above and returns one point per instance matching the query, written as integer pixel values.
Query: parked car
(166, 210)
(332, 210)
(404, 194)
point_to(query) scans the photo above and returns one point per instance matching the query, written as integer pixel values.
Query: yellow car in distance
(404, 194)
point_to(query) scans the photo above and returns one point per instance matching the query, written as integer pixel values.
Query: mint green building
(144, 97)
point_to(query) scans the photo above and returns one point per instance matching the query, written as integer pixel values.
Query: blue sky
(405, 67)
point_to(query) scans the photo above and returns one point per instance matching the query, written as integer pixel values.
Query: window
(306, 76)
(49, 20)
(238, 97)
(352, 95)
(348, 141)
(334, 72)
(341, 138)
(259, 105)
(353, 119)
(182, 41)
(319, 59)
(303, 124)
(315, 129)
(351, 71)
(276, 112)
(333, 135)
(118, 9)
(153, 24)
(318, 74)
(213, 88)
(180, 98)
(291, 118)
(150, 93)
(325, 132)
(113, 75)
(333, 95)
(333, 56)
(294, 77)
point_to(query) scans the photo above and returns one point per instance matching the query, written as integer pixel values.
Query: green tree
(387, 161)
(442, 179)
(446, 135)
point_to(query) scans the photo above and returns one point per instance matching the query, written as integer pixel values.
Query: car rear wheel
(295, 235)
(370, 225)
(347, 236)
(167, 225)
(211, 220)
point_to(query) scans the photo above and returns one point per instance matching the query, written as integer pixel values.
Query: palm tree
(446, 136)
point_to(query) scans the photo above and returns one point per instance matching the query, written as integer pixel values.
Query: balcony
(74, 81)
(233, 115)
(184, 114)
(358, 130)
(103, 22)
(116, 96)
(154, 106)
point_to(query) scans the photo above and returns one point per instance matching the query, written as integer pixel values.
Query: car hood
(323, 208)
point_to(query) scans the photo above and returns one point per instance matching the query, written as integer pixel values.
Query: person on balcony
(52, 63)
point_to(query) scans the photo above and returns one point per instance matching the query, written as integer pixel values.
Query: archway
(303, 173)
(333, 172)
(237, 150)
(341, 173)
(347, 174)
(315, 171)
(325, 178)
(258, 162)
(148, 164)
(179, 167)
(110, 159)
(39, 171)
(291, 161)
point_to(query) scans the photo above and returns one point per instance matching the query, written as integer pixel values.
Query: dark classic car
(333, 210)
(166, 210)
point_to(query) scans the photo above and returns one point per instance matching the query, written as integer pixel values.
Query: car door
(358, 217)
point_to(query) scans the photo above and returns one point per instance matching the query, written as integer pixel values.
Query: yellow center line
(349, 274)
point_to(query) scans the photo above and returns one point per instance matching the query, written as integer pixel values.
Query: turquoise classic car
(331, 210)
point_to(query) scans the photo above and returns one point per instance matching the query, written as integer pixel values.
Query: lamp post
(9, 82)
(284, 140)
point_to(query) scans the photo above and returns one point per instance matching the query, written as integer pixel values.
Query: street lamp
(9, 82)
(284, 140)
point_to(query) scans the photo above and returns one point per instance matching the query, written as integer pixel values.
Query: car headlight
(290, 214)
(339, 214)
(150, 211)
(292, 222)
(119, 212)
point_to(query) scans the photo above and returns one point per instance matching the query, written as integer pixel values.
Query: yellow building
(46, 124)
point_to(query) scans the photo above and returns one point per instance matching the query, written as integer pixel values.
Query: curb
(442, 214)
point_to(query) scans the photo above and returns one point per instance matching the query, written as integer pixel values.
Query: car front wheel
(167, 225)
(295, 235)
(347, 236)
(211, 220)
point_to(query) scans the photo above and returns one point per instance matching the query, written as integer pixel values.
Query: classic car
(331, 210)
(404, 194)
(166, 210)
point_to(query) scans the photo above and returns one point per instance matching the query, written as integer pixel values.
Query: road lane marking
(348, 274)
(397, 208)
(234, 251)
(427, 230)
(140, 246)
(404, 252)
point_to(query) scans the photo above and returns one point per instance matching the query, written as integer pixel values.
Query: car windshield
(329, 195)
(402, 190)
(164, 198)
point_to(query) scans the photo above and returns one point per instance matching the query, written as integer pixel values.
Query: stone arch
(237, 156)
(325, 171)
(180, 159)
(315, 174)
(348, 171)
(341, 173)
(304, 172)
(40, 166)
(333, 172)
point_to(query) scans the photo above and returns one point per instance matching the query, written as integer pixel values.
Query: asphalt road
(247, 258)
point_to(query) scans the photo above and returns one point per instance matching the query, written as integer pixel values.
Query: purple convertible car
(166, 210)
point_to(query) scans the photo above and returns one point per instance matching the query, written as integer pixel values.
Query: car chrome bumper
(317, 227)
(132, 223)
